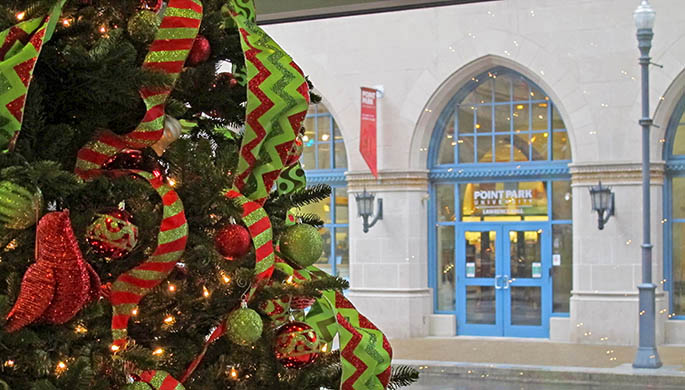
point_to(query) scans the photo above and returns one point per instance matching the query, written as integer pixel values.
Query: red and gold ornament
(200, 51)
(233, 241)
(60, 283)
(296, 345)
(112, 234)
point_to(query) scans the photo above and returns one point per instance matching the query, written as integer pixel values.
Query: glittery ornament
(302, 244)
(233, 241)
(301, 303)
(134, 159)
(296, 345)
(143, 26)
(295, 152)
(137, 386)
(152, 5)
(244, 326)
(60, 283)
(200, 52)
(112, 234)
(19, 206)
(172, 131)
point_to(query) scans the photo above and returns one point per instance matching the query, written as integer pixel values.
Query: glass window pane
(480, 254)
(679, 141)
(521, 117)
(540, 116)
(446, 272)
(324, 129)
(539, 141)
(465, 149)
(341, 205)
(536, 93)
(562, 199)
(502, 148)
(484, 119)
(557, 122)
(678, 193)
(324, 261)
(324, 155)
(480, 304)
(502, 118)
(562, 274)
(521, 147)
(483, 93)
(337, 132)
(308, 156)
(485, 149)
(521, 91)
(340, 155)
(321, 208)
(342, 252)
(445, 202)
(524, 250)
(526, 306)
(561, 149)
(447, 144)
(503, 88)
(465, 114)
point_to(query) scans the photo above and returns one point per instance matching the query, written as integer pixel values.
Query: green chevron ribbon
(291, 179)
(365, 353)
(20, 46)
(277, 102)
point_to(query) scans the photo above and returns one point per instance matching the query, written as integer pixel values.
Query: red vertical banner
(367, 135)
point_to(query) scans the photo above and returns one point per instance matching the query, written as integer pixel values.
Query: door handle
(506, 282)
(497, 285)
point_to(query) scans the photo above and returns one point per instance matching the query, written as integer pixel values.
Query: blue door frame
(502, 281)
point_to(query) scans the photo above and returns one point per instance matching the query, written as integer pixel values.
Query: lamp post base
(647, 357)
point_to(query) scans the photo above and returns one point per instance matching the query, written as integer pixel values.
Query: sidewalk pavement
(538, 360)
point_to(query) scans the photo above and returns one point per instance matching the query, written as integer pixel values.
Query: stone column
(388, 265)
(607, 263)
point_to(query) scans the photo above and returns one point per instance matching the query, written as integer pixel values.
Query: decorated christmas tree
(150, 232)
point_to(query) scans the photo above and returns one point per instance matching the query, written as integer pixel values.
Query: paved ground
(472, 363)
(526, 351)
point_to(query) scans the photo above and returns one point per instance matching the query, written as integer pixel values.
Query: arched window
(325, 161)
(501, 244)
(674, 213)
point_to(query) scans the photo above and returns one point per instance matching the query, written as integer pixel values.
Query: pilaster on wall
(388, 265)
(607, 263)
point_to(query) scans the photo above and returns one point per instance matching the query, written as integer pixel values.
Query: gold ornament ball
(302, 244)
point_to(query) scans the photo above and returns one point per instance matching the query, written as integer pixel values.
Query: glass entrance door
(503, 283)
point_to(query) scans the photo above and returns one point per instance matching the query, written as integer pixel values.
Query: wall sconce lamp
(602, 203)
(365, 209)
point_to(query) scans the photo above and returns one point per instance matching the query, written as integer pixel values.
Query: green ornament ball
(143, 26)
(20, 207)
(244, 326)
(301, 244)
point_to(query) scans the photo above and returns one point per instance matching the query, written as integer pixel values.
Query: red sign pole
(367, 136)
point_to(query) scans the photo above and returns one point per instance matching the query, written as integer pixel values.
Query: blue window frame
(325, 161)
(500, 131)
(674, 213)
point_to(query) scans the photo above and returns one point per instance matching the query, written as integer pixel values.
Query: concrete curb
(624, 376)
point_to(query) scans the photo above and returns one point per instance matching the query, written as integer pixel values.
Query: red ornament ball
(296, 345)
(112, 234)
(233, 241)
(152, 5)
(301, 303)
(200, 52)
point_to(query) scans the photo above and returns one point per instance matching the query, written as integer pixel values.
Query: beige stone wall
(583, 54)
